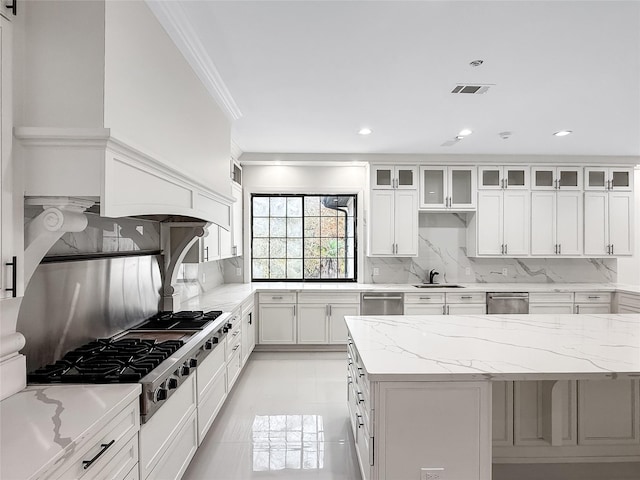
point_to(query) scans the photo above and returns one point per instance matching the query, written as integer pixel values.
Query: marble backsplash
(442, 246)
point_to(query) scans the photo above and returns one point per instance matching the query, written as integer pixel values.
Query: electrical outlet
(467, 271)
(376, 271)
(238, 271)
(505, 271)
(432, 473)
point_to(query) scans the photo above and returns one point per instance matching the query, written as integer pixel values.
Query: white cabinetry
(556, 178)
(321, 317)
(212, 388)
(593, 302)
(10, 239)
(207, 248)
(628, 302)
(390, 177)
(556, 223)
(277, 318)
(393, 223)
(248, 329)
(493, 177)
(435, 303)
(447, 188)
(231, 240)
(608, 223)
(608, 178)
(234, 348)
(501, 224)
(550, 302)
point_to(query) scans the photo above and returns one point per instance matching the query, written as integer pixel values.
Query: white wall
(62, 68)
(629, 268)
(154, 100)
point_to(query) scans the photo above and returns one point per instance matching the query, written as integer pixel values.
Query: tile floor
(287, 418)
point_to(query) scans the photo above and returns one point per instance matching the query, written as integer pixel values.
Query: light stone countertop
(497, 347)
(229, 296)
(41, 426)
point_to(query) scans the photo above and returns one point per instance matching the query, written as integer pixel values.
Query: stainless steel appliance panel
(508, 303)
(387, 303)
(68, 304)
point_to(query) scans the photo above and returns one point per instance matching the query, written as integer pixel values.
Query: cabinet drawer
(210, 404)
(176, 460)
(329, 299)
(121, 464)
(277, 297)
(551, 297)
(210, 367)
(119, 431)
(424, 297)
(593, 297)
(233, 368)
(233, 337)
(632, 302)
(476, 297)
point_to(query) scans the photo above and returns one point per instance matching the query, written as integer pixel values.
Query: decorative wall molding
(174, 20)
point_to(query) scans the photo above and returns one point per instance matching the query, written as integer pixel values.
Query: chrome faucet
(432, 274)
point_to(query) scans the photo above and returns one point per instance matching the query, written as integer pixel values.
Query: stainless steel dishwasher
(507, 303)
(386, 303)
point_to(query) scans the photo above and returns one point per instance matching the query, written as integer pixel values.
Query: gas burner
(187, 320)
(106, 361)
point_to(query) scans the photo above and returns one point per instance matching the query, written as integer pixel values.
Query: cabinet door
(462, 309)
(381, 223)
(226, 243)
(609, 412)
(551, 308)
(406, 222)
(210, 244)
(490, 177)
(543, 223)
(516, 223)
(569, 230)
(248, 334)
(621, 179)
(593, 308)
(277, 324)
(424, 309)
(543, 178)
(382, 177)
(433, 187)
(502, 417)
(406, 177)
(516, 177)
(337, 325)
(462, 187)
(620, 223)
(569, 178)
(7, 185)
(596, 178)
(237, 222)
(596, 223)
(312, 323)
(490, 223)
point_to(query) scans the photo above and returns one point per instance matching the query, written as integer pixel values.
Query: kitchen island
(420, 387)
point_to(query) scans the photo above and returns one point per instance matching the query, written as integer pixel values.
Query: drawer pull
(594, 296)
(360, 422)
(105, 446)
(360, 397)
(425, 298)
(276, 298)
(235, 348)
(466, 296)
(360, 372)
(235, 333)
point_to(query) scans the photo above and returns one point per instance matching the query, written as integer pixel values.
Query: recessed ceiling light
(465, 132)
(563, 133)
(476, 63)
(364, 131)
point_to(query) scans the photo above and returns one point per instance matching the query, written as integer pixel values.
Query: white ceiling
(307, 75)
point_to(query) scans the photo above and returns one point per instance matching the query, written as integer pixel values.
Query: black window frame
(311, 280)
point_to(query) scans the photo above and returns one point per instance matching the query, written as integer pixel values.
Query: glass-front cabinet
(608, 178)
(494, 177)
(445, 188)
(388, 177)
(556, 178)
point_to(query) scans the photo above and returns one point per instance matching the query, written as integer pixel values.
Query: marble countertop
(229, 296)
(42, 425)
(497, 347)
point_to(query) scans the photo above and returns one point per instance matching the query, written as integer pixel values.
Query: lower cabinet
(628, 303)
(277, 318)
(445, 303)
(321, 317)
(248, 329)
(502, 413)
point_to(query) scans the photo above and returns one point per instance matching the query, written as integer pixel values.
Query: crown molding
(174, 20)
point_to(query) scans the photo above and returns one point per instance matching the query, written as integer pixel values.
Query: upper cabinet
(556, 178)
(231, 241)
(389, 177)
(447, 188)
(492, 177)
(393, 223)
(612, 178)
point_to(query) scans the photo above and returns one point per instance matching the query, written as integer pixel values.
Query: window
(303, 237)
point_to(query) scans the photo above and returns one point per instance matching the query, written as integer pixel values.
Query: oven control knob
(172, 383)
(193, 362)
(159, 395)
(214, 339)
(229, 326)
(185, 370)
(208, 345)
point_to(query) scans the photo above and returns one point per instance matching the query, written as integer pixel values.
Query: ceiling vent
(473, 89)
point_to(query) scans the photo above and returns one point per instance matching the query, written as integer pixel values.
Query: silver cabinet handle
(444, 310)
(235, 333)
(506, 249)
(466, 296)
(577, 308)
(593, 296)
(425, 298)
(612, 251)
(502, 249)
(235, 348)
(276, 298)
(360, 397)
(206, 254)
(447, 309)
(360, 422)
(330, 310)
(294, 310)
(360, 372)
(560, 248)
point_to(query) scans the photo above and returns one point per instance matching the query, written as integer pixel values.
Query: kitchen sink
(438, 285)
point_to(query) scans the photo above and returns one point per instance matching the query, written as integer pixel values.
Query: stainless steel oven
(507, 303)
